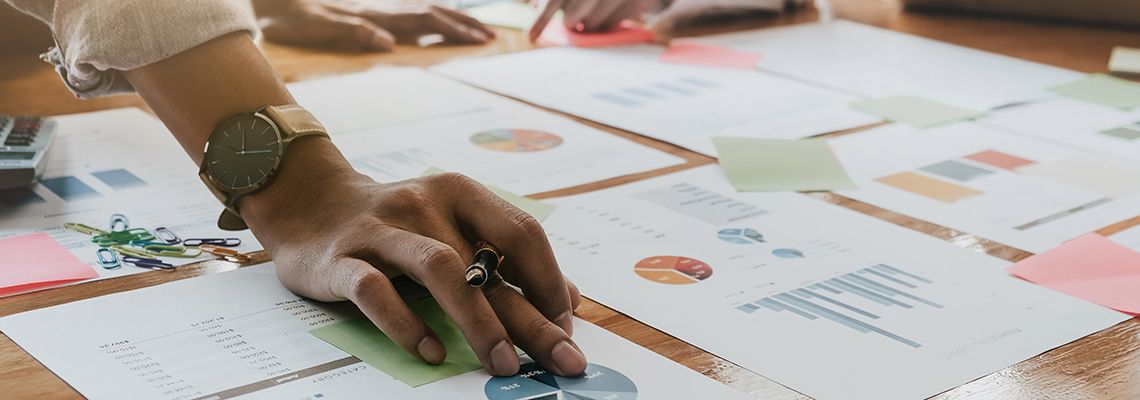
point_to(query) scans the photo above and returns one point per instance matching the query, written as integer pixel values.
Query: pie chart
(788, 253)
(740, 236)
(516, 140)
(534, 383)
(673, 270)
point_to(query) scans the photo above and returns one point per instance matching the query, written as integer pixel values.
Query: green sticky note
(769, 165)
(360, 338)
(506, 14)
(1104, 90)
(915, 111)
(537, 209)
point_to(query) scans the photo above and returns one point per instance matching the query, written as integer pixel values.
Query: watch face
(242, 152)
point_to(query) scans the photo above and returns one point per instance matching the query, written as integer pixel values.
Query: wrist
(310, 167)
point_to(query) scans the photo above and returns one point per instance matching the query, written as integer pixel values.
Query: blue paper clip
(107, 258)
(224, 242)
(119, 223)
(150, 263)
(166, 235)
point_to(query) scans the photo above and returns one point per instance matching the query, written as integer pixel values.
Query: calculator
(24, 143)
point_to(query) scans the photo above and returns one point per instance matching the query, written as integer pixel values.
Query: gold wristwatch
(245, 151)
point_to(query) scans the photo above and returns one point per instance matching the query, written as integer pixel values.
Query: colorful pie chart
(516, 140)
(740, 236)
(534, 383)
(673, 270)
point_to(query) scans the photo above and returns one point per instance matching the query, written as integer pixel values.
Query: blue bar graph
(835, 300)
(119, 179)
(69, 188)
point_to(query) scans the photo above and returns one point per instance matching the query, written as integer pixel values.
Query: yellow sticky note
(506, 14)
(537, 209)
(916, 111)
(1125, 60)
(767, 165)
(1104, 90)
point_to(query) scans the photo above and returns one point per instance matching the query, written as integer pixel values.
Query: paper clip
(119, 223)
(149, 263)
(165, 250)
(228, 254)
(122, 237)
(225, 242)
(131, 251)
(107, 258)
(84, 229)
(166, 235)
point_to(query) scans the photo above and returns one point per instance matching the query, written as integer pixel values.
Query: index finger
(548, 12)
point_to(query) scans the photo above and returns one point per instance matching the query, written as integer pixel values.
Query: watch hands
(242, 153)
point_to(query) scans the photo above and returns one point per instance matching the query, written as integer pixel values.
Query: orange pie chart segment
(673, 270)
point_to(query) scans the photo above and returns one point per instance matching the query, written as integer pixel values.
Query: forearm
(195, 90)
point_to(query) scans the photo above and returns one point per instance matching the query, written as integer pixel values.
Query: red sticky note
(36, 261)
(709, 56)
(627, 32)
(1090, 267)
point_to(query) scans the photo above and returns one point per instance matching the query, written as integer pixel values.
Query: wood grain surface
(1105, 365)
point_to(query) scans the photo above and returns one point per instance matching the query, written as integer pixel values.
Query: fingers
(629, 9)
(605, 11)
(438, 21)
(541, 339)
(576, 11)
(467, 20)
(529, 261)
(360, 32)
(440, 268)
(552, 7)
(377, 298)
(319, 27)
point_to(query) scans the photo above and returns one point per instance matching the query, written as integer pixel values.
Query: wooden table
(1102, 366)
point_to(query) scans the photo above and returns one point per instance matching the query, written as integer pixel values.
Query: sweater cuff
(98, 39)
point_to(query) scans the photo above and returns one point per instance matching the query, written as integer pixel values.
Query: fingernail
(431, 350)
(566, 322)
(568, 360)
(379, 41)
(504, 360)
(480, 35)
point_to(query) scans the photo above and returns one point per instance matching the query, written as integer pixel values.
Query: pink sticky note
(627, 32)
(709, 56)
(1090, 267)
(36, 261)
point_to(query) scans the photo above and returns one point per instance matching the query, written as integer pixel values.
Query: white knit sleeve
(98, 39)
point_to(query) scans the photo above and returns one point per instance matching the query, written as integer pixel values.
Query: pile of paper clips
(122, 244)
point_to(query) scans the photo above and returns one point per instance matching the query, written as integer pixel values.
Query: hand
(590, 15)
(337, 235)
(360, 26)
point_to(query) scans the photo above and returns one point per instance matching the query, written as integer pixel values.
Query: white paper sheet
(394, 123)
(1129, 237)
(117, 161)
(867, 310)
(241, 334)
(1015, 190)
(1074, 123)
(682, 104)
(873, 62)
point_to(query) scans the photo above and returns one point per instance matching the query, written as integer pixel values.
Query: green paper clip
(166, 250)
(122, 237)
(84, 229)
(130, 251)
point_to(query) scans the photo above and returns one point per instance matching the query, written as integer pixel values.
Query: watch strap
(295, 121)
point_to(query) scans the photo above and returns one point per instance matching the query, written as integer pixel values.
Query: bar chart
(851, 300)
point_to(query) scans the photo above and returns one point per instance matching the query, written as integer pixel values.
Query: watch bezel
(277, 156)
